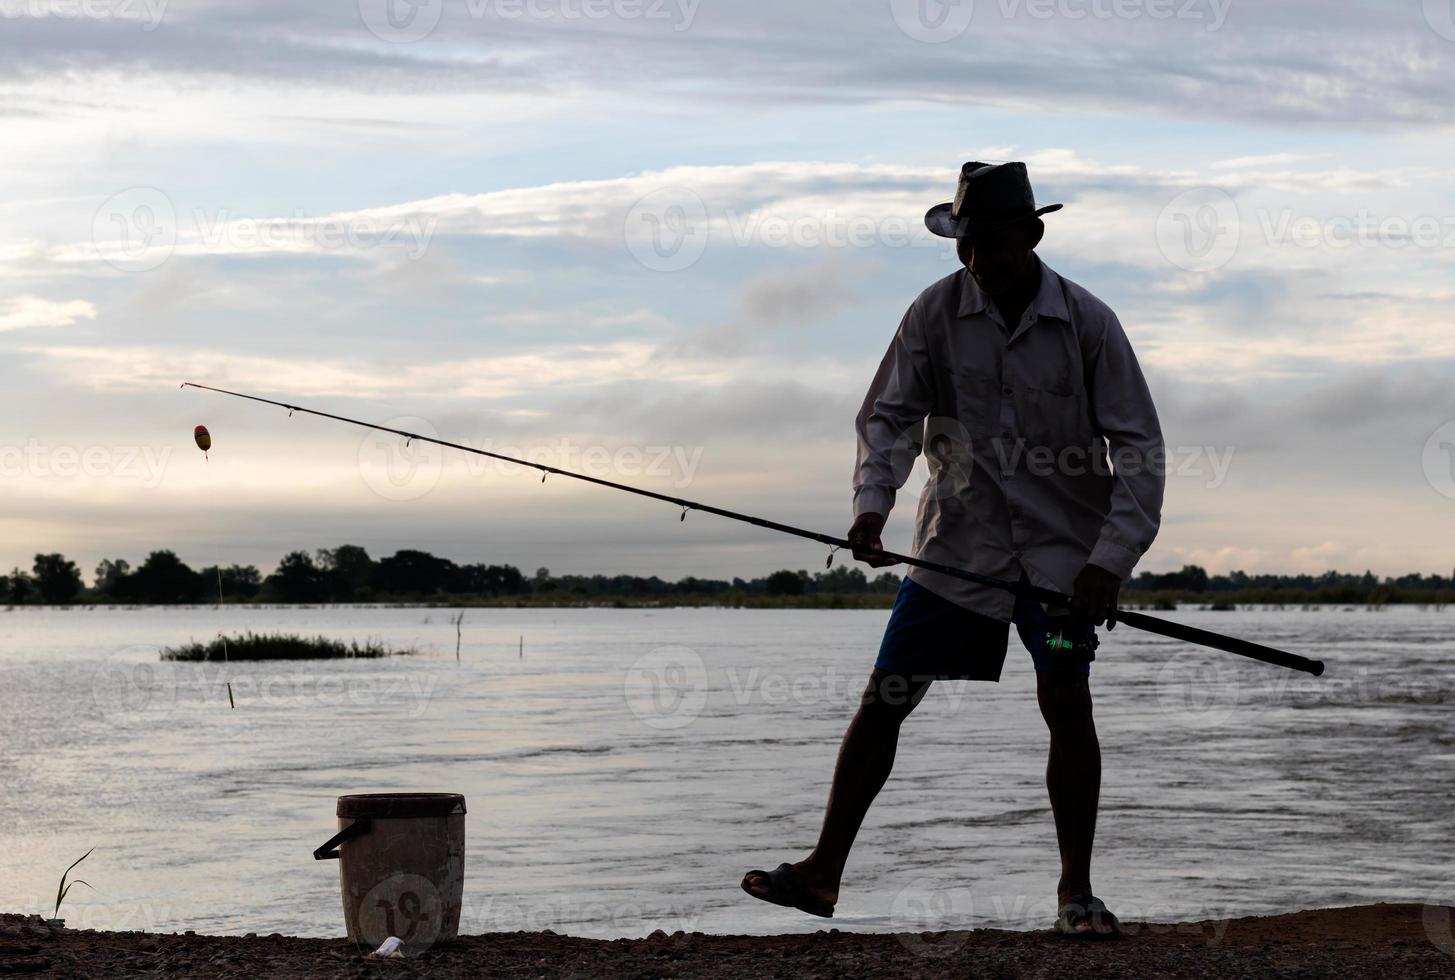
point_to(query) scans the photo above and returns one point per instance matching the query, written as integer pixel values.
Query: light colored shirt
(1017, 427)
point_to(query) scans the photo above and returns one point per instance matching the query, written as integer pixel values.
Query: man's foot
(1084, 916)
(799, 882)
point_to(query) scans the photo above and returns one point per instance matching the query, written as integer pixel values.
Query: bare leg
(865, 760)
(1073, 777)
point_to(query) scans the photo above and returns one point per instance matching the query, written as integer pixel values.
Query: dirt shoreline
(1373, 940)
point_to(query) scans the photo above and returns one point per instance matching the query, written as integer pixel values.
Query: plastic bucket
(401, 866)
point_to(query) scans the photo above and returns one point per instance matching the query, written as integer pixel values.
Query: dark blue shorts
(931, 637)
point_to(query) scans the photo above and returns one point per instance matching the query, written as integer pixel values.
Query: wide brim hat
(989, 197)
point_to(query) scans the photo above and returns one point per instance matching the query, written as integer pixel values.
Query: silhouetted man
(1021, 384)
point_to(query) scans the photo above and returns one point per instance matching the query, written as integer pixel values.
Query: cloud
(786, 300)
(1355, 63)
(139, 368)
(1259, 160)
(23, 312)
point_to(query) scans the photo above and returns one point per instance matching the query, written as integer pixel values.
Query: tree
(347, 571)
(841, 578)
(233, 581)
(57, 580)
(297, 579)
(411, 572)
(785, 583)
(18, 587)
(109, 576)
(164, 577)
(496, 580)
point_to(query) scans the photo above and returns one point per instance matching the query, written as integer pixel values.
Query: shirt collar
(1050, 298)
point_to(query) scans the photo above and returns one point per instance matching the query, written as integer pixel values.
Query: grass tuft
(279, 646)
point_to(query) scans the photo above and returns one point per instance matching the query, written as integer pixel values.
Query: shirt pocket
(1056, 416)
(976, 405)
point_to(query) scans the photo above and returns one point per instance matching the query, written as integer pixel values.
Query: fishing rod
(1142, 621)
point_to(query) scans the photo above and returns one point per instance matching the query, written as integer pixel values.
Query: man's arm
(890, 431)
(1122, 411)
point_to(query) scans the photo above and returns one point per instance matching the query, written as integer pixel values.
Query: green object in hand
(1057, 642)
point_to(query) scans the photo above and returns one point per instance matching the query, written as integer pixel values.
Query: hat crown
(993, 192)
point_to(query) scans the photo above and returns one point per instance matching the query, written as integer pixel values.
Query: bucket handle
(329, 848)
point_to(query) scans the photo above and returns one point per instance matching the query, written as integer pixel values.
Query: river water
(623, 768)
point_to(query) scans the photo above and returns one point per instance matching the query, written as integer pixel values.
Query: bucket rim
(396, 805)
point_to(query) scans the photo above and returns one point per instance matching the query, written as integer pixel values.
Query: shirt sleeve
(890, 423)
(1123, 412)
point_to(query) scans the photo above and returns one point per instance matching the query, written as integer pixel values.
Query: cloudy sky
(666, 241)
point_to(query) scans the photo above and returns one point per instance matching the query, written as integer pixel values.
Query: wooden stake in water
(522, 646)
(458, 620)
(230, 702)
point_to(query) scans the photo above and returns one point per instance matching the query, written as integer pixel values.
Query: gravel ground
(1382, 941)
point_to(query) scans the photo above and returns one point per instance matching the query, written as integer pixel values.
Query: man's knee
(1065, 700)
(891, 696)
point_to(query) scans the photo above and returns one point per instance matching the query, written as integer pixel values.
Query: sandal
(1104, 925)
(786, 887)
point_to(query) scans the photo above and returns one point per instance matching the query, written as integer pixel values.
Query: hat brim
(939, 222)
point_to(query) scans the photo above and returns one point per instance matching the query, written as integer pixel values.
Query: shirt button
(1005, 389)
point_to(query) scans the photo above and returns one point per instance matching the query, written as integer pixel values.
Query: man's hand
(1094, 596)
(864, 536)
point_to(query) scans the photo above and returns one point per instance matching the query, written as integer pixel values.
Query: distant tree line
(348, 574)
(1192, 582)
